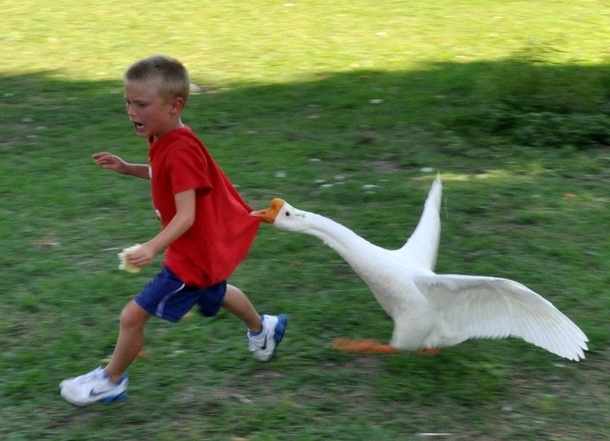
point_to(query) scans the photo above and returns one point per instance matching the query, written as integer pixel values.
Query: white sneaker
(264, 343)
(92, 388)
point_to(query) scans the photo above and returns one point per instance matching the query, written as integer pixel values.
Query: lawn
(347, 109)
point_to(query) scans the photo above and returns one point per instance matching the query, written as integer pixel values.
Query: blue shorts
(167, 297)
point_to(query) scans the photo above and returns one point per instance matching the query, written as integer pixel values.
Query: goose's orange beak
(268, 215)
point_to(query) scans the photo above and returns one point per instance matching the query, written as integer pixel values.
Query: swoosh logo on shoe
(94, 393)
(264, 343)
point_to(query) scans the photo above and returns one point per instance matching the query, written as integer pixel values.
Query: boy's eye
(137, 103)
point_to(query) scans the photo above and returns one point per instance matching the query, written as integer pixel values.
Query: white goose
(431, 310)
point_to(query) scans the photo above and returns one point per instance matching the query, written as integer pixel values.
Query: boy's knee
(233, 293)
(133, 315)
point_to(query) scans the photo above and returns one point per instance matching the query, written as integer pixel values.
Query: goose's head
(283, 216)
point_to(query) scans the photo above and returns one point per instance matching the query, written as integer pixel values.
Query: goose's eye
(288, 214)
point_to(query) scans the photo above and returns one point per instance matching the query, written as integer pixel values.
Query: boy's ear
(177, 104)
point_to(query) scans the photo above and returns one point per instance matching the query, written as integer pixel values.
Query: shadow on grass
(518, 101)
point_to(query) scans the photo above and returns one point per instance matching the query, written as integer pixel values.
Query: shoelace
(91, 375)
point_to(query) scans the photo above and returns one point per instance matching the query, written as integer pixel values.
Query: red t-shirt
(223, 231)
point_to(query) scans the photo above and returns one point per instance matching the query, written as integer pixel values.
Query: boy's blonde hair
(171, 75)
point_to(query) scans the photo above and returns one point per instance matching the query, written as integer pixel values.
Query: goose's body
(432, 310)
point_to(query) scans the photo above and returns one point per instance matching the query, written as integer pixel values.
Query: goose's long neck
(366, 259)
(344, 241)
(372, 263)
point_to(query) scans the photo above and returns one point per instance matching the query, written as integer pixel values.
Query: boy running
(206, 231)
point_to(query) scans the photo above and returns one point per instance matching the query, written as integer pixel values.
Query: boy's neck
(178, 125)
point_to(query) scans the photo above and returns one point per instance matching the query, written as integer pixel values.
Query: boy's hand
(110, 162)
(140, 257)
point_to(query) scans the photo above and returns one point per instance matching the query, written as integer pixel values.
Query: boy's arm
(113, 162)
(138, 170)
(181, 222)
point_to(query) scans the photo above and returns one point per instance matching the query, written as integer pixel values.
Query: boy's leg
(264, 332)
(236, 302)
(130, 340)
(110, 384)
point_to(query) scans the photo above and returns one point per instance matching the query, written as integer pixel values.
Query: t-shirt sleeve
(187, 167)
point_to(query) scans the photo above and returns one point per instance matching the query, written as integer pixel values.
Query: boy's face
(151, 115)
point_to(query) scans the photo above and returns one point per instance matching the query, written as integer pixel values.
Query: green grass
(509, 100)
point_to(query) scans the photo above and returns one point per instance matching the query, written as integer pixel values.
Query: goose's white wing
(422, 247)
(488, 307)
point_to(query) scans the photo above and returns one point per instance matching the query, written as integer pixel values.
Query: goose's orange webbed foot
(429, 351)
(363, 346)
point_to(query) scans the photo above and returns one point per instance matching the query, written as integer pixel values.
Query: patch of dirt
(386, 166)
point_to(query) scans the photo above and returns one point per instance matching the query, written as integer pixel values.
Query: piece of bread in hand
(125, 265)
